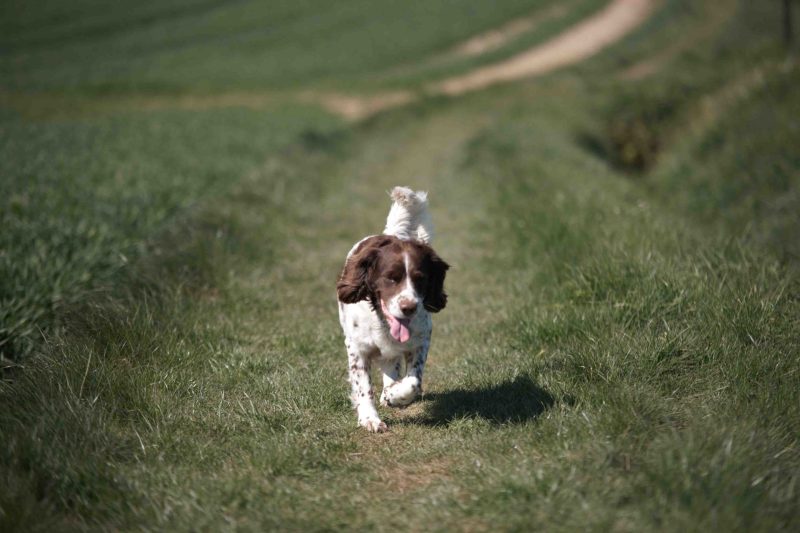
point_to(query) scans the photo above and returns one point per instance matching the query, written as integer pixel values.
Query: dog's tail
(409, 218)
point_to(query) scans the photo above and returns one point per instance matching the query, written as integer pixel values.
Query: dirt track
(577, 43)
(580, 42)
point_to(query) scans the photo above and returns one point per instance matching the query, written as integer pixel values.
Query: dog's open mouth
(398, 327)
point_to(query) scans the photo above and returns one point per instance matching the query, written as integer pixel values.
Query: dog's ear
(435, 298)
(355, 282)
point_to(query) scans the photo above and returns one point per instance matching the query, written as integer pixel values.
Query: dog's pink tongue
(398, 328)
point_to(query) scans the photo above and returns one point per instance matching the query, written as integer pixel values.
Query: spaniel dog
(388, 288)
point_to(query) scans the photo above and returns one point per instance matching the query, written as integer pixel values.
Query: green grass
(619, 352)
(201, 46)
(82, 197)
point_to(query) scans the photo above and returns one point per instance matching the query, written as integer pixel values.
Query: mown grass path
(294, 303)
(579, 361)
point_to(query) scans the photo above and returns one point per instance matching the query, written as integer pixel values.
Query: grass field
(202, 45)
(620, 348)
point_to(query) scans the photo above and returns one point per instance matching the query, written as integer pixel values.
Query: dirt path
(483, 43)
(498, 37)
(576, 44)
(494, 39)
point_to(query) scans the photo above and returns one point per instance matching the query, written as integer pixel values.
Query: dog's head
(397, 277)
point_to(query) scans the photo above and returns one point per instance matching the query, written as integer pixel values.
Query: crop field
(621, 346)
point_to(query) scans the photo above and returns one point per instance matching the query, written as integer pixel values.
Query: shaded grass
(515, 401)
(748, 184)
(645, 115)
(697, 115)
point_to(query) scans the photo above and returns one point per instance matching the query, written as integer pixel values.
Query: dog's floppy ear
(354, 283)
(435, 298)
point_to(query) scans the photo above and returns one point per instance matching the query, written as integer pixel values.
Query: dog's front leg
(408, 389)
(361, 390)
(391, 374)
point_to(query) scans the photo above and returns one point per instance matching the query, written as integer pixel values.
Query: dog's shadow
(513, 401)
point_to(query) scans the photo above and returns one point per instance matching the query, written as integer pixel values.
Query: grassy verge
(672, 346)
(146, 369)
(694, 118)
(81, 197)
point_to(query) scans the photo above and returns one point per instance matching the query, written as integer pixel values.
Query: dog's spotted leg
(391, 373)
(361, 391)
(408, 389)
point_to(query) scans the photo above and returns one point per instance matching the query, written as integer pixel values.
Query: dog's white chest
(366, 331)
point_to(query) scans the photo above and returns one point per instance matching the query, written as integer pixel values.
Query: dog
(390, 285)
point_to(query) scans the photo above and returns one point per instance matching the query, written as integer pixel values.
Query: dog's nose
(408, 307)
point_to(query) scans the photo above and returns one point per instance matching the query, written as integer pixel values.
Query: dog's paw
(385, 399)
(401, 393)
(373, 425)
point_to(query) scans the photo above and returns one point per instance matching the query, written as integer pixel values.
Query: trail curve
(576, 44)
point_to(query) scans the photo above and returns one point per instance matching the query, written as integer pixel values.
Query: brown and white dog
(388, 288)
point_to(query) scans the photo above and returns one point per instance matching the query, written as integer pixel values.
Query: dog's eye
(394, 278)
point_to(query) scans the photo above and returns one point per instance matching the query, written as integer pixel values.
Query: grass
(199, 46)
(619, 350)
(81, 197)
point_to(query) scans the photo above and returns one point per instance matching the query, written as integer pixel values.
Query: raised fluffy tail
(409, 218)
